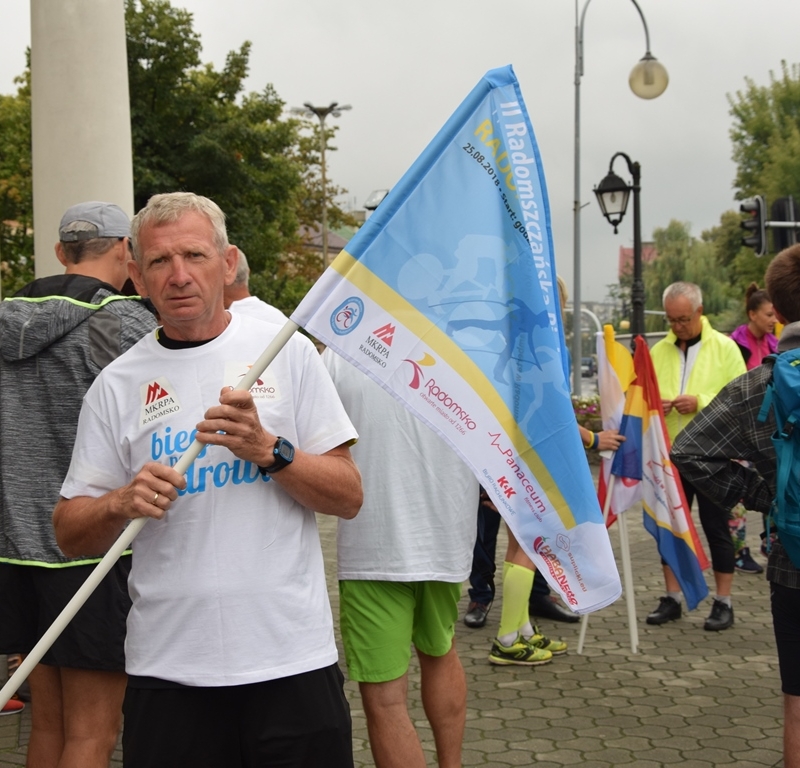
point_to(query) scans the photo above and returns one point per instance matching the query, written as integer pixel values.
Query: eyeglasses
(679, 320)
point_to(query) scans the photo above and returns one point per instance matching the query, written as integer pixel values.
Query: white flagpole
(129, 534)
(627, 580)
(627, 575)
(606, 508)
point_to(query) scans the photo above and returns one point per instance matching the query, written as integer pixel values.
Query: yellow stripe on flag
(366, 280)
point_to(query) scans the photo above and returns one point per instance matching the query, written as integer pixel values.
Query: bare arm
(329, 483)
(89, 526)
(610, 439)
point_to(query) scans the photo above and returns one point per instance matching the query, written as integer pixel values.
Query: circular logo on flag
(347, 316)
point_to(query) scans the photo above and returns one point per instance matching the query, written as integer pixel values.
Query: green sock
(517, 584)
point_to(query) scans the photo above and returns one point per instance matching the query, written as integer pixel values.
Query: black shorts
(32, 596)
(786, 621)
(302, 721)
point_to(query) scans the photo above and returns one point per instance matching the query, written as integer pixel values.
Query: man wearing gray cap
(56, 334)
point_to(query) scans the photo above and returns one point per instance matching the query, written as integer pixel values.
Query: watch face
(285, 450)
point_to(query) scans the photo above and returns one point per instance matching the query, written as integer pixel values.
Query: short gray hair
(80, 250)
(242, 269)
(169, 207)
(688, 290)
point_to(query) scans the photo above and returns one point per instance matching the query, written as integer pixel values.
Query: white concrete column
(80, 114)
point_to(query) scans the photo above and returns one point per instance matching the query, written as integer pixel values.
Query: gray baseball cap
(86, 221)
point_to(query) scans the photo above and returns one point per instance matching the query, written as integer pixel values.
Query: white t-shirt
(229, 587)
(254, 307)
(419, 517)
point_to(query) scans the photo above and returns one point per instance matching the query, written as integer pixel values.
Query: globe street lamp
(612, 194)
(309, 110)
(648, 79)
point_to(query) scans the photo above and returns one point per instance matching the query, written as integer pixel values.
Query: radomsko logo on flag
(646, 457)
(446, 298)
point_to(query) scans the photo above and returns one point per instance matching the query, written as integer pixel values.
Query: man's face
(184, 275)
(685, 322)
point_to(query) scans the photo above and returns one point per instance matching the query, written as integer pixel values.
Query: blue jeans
(481, 578)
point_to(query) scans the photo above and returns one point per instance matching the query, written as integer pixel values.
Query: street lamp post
(308, 110)
(648, 80)
(612, 194)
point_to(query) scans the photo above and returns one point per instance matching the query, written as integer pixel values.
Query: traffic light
(783, 209)
(755, 225)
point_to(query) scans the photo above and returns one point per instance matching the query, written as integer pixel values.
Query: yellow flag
(619, 358)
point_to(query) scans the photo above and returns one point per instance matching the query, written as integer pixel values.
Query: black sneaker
(745, 563)
(669, 609)
(547, 607)
(476, 615)
(721, 617)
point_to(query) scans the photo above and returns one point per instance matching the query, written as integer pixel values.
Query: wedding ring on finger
(155, 499)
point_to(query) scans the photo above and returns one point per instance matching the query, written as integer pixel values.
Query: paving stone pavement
(689, 697)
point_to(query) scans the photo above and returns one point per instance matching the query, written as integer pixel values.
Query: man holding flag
(230, 650)
(693, 363)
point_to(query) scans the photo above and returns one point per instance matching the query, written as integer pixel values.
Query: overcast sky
(405, 65)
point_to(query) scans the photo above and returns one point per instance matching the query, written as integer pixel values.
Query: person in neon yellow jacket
(693, 363)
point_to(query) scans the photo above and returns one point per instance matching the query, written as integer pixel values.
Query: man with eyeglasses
(693, 363)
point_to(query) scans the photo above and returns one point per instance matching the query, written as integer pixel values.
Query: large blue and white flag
(447, 298)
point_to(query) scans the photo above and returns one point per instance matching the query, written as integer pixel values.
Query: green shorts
(381, 619)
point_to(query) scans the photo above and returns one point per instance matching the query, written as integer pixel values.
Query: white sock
(508, 639)
(726, 600)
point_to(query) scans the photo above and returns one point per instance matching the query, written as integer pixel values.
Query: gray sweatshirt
(56, 335)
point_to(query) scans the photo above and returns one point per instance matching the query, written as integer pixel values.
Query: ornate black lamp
(612, 195)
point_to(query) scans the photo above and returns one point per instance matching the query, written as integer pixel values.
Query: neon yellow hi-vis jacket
(718, 361)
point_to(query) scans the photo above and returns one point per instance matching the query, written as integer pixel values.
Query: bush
(587, 412)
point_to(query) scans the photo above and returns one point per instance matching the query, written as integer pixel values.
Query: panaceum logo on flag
(446, 297)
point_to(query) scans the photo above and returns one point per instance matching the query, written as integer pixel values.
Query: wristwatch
(283, 453)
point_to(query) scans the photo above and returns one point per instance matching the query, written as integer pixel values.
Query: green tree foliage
(766, 136)
(766, 149)
(742, 265)
(683, 257)
(16, 192)
(194, 128)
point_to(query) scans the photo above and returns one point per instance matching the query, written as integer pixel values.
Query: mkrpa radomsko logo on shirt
(158, 399)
